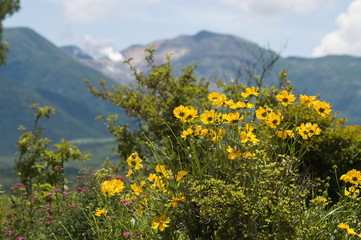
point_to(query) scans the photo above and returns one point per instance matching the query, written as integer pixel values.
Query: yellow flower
(248, 155)
(209, 117)
(100, 212)
(161, 169)
(159, 222)
(197, 130)
(323, 108)
(250, 92)
(220, 100)
(349, 230)
(238, 105)
(307, 100)
(273, 119)
(262, 113)
(229, 103)
(248, 136)
(213, 96)
(138, 189)
(313, 129)
(135, 161)
(216, 136)
(353, 176)
(303, 131)
(109, 188)
(234, 118)
(180, 175)
(130, 173)
(343, 226)
(233, 154)
(142, 206)
(152, 177)
(285, 134)
(308, 130)
(181, 112)
(285, 98)
(191, 114)
(352, 192)
(158, 183)
(176, 200)
(204, 132)
(186, 133)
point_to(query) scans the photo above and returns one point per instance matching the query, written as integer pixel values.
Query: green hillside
(39, 72)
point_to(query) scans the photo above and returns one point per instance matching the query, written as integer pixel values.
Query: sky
(303, 28)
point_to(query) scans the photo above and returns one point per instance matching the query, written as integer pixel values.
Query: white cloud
(88, 11)
(347, 38)
(275, 8)
(101, 48)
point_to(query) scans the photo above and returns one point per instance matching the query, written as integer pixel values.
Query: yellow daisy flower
(181, 112)
(323, 108)
(285, 98)
(273, 119)
(186, 133)
(262, 113)
(159, 222)
(233, 154)
(285, 134)
(100, 212)
(250, 92)
(238, 105)
(209, 117)
(307, 100)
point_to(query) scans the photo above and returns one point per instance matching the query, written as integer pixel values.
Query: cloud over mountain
(101, 48)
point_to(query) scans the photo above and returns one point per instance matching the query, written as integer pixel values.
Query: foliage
(7, 8)
(51, 215)
(217, 167)
(150, 103)
(37, 165)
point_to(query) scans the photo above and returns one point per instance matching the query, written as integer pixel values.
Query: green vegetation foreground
(202, 165)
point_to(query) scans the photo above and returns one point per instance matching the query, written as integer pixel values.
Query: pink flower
(8, 233)
(72, 207)
(20, 238)
(127, 234)
(31, 197)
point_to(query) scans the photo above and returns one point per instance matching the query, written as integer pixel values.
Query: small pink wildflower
(127, 234)
(8, 233)
(31, 197)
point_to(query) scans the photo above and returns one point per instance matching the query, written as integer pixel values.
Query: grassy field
(100, 150)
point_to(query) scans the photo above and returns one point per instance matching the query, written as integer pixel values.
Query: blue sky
(306, 28)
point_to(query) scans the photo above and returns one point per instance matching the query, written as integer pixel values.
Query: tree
(7, 8)
(150, 103)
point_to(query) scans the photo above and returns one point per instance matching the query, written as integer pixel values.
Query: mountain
(216, 54)
(336, 78)
(39, 72)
